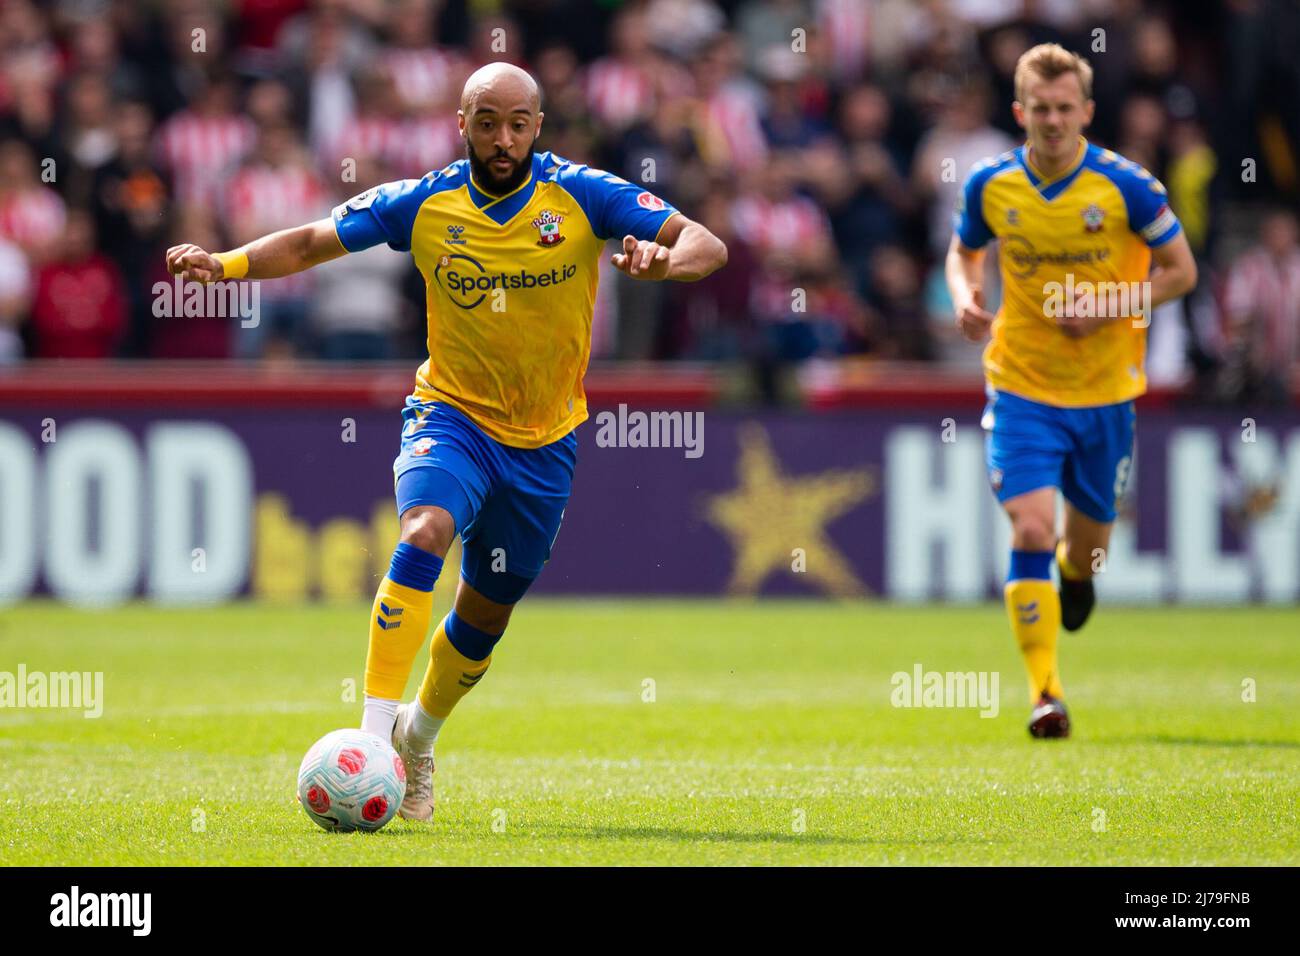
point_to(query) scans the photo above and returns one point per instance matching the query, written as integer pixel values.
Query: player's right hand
(191, 263)
(973, 320)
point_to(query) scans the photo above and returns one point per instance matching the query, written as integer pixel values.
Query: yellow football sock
(450, 675)
(1063, 560)
(1035, 611)
(399, 621)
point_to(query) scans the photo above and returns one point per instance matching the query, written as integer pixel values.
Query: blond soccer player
(1087, 247)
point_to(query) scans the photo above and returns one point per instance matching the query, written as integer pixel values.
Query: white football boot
(418, 803)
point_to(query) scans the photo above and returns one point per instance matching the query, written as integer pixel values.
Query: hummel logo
(469, 680)
(388, 612)
(1028, 612)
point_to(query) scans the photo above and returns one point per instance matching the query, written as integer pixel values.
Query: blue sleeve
(1149, 214)
(383, 214)
(968, 218)
(615, 207)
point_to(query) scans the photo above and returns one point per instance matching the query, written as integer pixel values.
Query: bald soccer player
(508, 242)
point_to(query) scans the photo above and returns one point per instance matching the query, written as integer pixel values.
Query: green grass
(764, 713)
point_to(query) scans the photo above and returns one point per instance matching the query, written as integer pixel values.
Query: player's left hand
(641, 259)
(1078, 326)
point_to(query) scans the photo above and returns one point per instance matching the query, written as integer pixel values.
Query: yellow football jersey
(510, 284)
(1096, 222)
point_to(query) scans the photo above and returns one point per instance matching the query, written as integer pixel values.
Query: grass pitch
(766, 737)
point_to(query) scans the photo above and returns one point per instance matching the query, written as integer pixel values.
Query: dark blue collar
(501, 209)
(1049, 189)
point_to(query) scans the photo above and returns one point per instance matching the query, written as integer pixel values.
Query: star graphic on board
(770, 514)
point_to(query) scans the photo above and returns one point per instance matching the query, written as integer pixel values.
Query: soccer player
(1078, 228)
(508, 241)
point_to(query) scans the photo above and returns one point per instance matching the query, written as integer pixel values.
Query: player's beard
(487, 179)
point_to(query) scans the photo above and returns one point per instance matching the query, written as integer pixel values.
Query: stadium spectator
(200, 145)
(427, 75)
(1142, 132)
(859, 181)
(571, 131)
(1262, 304)
(150, 114)
(87, 129)
(843, 37)
(31, 68)
(321, 52)
(174, 335)
(79, 308)
(186, 40)
(271, 191)
(896, 301)
(945, 154)
(93, 48)
(667, 148)
(711, 320)
(31, 213)
(259, 23)
(766, 24)
(130, 198)
(489, 40)
(621, 87)
(782, 223)
(1190, 179)
(794, 113)
(728, 106)
(15, 292)
(683, 28)
(356, 302)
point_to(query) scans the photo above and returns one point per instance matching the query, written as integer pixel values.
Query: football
(351, 780)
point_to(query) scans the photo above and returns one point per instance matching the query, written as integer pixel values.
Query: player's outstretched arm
(684, 252)
(964, 268)
(278, 254)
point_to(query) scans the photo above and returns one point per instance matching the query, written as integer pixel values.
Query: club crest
(548, 229)
(1092, 217)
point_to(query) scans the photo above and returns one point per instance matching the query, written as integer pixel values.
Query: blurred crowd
(824, 140)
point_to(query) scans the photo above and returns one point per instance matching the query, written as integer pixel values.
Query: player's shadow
(1166, 740)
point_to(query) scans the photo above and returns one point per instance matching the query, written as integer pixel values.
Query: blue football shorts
(507, 502)
(1086, 452)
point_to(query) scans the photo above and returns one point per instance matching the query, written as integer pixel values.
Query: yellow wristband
(234, 264)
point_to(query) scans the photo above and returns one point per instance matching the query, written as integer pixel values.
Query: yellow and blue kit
(1060, 411)
(511, 286)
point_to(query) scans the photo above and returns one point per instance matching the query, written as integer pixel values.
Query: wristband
(234, 265)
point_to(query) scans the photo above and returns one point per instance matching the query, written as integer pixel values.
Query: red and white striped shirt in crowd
(409, 148)
(376, 137)
(260, 199)
(846, 24)
(32, 218)
(425, 74)
(619, 93)
(426, 144)
(201, 151)
(734, 116)
(1267, 290)
(794, 222)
